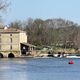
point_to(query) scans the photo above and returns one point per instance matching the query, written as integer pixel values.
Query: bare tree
(16, 24)
(3, 5)
(3, 8)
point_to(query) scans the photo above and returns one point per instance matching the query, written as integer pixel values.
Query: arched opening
(23, 52)
(50, 54)
(11, 55)
(59, 54)
(1, 55)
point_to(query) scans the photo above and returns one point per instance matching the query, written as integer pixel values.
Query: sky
(44, 9)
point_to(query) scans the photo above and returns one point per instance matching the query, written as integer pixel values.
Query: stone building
(12, 42)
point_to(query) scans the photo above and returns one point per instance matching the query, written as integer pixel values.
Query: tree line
(59, 32)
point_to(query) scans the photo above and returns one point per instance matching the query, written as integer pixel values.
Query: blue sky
(44, 9)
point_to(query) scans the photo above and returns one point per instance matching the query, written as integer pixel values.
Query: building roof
(27, 44)
(7, 30)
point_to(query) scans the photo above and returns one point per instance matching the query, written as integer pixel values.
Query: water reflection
(13, 69)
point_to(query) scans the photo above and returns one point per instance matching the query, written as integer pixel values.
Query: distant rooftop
(6, 29)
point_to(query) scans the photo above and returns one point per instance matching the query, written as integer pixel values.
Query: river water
(39, 69)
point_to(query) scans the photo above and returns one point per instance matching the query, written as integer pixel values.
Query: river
(39, 69)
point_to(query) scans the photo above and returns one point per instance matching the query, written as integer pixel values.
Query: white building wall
(23, 37)
(6, 41)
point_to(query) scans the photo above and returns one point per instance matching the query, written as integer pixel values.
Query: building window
(10, 34)
(0, 47)
(11, 40)
(10, 47)
(0, 40)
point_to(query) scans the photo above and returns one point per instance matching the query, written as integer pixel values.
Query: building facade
(10, 42)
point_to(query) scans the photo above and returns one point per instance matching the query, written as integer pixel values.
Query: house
(12, 42)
